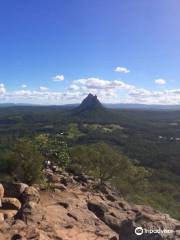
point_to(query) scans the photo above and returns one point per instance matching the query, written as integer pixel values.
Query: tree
(27, 162)
(107, 164)
(99, 160)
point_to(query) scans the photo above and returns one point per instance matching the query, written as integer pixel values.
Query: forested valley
(136, 151)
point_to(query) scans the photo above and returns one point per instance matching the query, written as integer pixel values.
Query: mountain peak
(91, 96)
(90, 102)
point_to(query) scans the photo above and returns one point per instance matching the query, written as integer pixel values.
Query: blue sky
(57, 51)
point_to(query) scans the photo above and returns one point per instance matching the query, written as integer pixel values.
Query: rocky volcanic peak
(90, 102)
(75, 207)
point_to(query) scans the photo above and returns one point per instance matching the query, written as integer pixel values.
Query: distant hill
(141, 106)
(7, 104)
(91, 109)
(4, 105)
(90, 103)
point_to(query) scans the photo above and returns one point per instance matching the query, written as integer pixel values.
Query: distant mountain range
(141, 106)
(92, 102)
(16, 104)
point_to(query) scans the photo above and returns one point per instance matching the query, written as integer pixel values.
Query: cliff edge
(75, 207)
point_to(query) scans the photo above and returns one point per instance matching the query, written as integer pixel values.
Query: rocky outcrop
(124, 221)
(30, 211)
(13, 189)
(9, 207)
(19, 206)
(11, 204)
(76, 208)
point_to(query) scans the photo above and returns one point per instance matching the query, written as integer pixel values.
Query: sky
(58, 51)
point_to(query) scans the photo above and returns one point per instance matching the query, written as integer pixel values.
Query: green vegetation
(103, 128)
(54, 149)
(73, 131)
(98, 142)
(24, 162)
(107, 164)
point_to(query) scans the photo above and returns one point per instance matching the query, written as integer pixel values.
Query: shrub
(26, 162)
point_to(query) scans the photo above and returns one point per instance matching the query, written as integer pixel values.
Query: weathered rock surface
(30, 194)
(14, 189)
(8, 206)
(11, 203)
(76, 209)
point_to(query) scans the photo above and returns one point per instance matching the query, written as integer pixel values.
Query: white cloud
(165, 97)
(160, 81)
(106, 90)
(58, 78)
(42, 88)
(33, 96)
(96, 83)
(140, 93)
(122, 70)
(119, 91)
(24, 86)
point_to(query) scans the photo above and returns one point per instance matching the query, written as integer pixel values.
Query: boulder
(31, 211)
(14, 190)
(11, 204)
(30, 194)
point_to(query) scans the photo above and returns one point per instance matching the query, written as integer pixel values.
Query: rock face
(14, 189)
(89, 103)
(76, 209)
(11, 203)
(9, 207)
(30, 194)
(31, 211)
